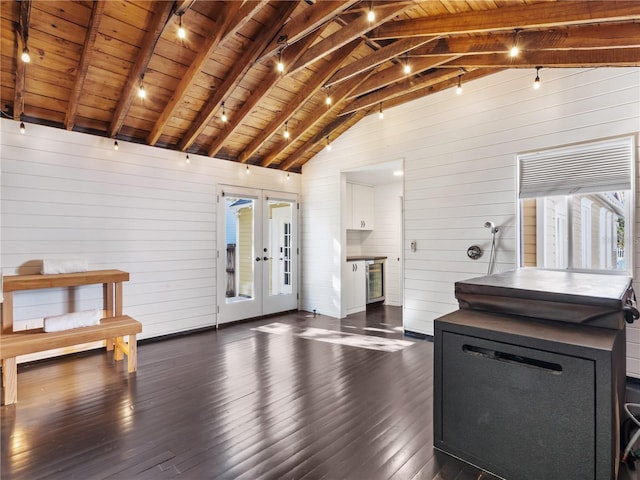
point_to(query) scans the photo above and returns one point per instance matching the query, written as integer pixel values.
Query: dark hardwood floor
(237, 403)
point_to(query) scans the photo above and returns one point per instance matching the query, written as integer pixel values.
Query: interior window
(575, 205)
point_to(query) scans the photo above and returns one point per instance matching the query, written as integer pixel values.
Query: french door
(258, 253)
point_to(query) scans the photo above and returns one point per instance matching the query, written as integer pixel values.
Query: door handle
(257, 259)
(265, 258)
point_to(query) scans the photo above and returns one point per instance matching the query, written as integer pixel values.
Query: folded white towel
(59, 265)
(85, 318)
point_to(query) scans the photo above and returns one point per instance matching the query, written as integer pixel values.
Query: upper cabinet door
(361, 207)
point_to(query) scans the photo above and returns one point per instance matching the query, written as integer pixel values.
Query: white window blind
(588, 168)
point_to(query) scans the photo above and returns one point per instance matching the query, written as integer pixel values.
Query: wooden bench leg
(9, 381)
(120, 349)
(130, 349)
(132, 356)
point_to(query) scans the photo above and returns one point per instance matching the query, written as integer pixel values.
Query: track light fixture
(515, 50)
(26, 58)
(182, 33)
(224, 117)
(380, 112)
(115, 145)
(536, 82)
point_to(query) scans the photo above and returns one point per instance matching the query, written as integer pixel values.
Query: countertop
(364, 257)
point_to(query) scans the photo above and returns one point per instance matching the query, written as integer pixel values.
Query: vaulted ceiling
(89, 59)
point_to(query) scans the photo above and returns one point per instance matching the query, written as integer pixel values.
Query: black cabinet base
(527, 399)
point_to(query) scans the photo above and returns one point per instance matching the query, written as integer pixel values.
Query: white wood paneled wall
(460, 171)
(140, 209)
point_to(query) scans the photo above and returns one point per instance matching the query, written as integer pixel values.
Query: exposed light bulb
(182, 33)
(247, 171)
(288, 176)
(380, 113)
(188, 160)
(371, 15)
(115, 145)
(224, 117)
(141, 91)
(407, 68)
(26, 58)
(514, 49)
(536, 82)
(286, 131)
(328, 100)
(22, 128)
(328, 145)
(459, 87)
(280, 64)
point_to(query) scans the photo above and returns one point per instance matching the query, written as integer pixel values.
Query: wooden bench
(112, 329)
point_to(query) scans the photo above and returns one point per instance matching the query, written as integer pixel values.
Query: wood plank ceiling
(89, 58)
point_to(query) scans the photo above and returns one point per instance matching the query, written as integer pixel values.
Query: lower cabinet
(356, 287)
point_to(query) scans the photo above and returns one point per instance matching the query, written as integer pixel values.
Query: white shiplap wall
(140, 209)
(460, 171)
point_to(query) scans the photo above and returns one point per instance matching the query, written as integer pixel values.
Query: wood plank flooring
(233, 404)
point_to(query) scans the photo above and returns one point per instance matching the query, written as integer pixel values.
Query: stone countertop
(364, 257)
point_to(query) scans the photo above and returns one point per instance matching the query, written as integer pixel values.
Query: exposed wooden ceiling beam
(395, 73)
(182, 6)
(586, 37)
(398, 89)
(431, 88)
(311, 87)
(289, 57)
(85, 61)
(346, 34)
(539, 15)
(313, 17)
(618, 57)
(376, 58)
(237, 72)
(300, 152)
(341, 92)
(162, 11)
(22, 35)
(228, 20)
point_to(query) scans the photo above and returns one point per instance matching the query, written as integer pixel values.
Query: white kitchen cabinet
(356, 287)
(360, 208)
